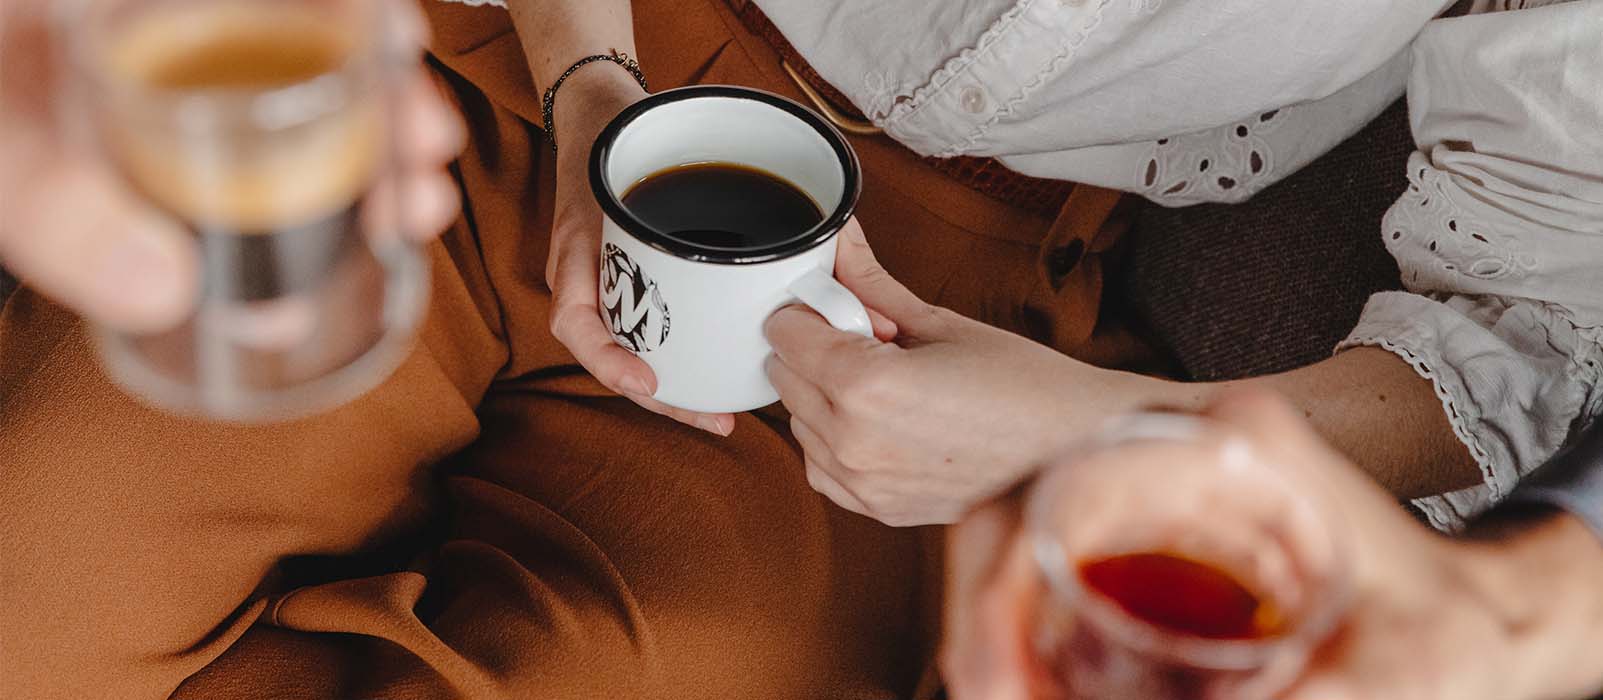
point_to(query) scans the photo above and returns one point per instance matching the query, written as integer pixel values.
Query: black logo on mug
(634, 307)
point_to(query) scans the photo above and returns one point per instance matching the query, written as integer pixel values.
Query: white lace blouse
(1500, 237)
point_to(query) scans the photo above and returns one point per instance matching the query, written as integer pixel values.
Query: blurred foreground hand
(1512, 615)
(69, 229)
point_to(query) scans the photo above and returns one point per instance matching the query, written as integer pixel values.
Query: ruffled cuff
(1504, 377)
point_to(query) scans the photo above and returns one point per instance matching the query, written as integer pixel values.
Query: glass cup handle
(819, 290)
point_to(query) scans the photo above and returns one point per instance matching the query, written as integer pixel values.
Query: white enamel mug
(695, 312)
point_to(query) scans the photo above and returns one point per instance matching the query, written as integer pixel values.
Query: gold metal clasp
(860, 127)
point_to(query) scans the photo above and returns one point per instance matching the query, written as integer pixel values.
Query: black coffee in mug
(723, 205)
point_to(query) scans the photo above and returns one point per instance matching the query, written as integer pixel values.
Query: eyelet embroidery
(1230, 163)
(1506, 5)
(1458, 244)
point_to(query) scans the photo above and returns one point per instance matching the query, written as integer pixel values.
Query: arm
(555, 33)
(1366, 402)
(956, 411)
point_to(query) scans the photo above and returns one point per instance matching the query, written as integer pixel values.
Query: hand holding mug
(587, 102)
(919, 430)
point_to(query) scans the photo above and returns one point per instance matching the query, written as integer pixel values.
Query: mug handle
(820, 290)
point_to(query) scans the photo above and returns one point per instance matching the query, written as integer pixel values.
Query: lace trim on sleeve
(1566, 394)
(1443, 512)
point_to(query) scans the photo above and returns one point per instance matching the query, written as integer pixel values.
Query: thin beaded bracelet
(548, 101)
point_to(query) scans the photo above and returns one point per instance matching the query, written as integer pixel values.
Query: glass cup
(1207, 509)
(266, 128)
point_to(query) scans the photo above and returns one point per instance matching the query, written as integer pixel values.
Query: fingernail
(715, 426)
(635, 385)
(143, 278)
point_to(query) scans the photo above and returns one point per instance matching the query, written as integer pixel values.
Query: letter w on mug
(722, 205)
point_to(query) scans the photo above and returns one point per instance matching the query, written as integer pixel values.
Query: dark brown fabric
(488, 523)
(1273, 283)
(987, 175)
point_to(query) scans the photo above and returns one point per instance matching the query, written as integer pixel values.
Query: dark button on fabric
(1062, 261)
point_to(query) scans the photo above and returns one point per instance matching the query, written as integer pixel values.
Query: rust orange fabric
(488, 523)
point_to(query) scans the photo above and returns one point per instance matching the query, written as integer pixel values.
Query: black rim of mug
(601, 186)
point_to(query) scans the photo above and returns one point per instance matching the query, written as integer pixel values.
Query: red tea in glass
(1178, 566)
(1183, 596)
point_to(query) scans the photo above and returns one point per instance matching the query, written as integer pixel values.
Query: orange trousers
(488, 523)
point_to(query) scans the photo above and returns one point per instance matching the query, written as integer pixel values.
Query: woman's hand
(587, 101)
(953, 412)
(69, 228)
(1432, 618)
(1428, 617)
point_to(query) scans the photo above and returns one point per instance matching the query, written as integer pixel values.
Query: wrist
(1117, 393)
(1139, 392)
(589, 99)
